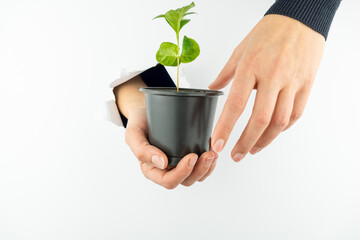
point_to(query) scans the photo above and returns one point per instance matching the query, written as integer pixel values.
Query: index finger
(240, 91)
(171, 179)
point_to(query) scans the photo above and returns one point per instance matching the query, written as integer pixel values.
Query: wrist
(134, 108)
(288, 28)
(128, 97)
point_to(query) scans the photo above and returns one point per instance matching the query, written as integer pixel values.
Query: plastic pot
(181, 122)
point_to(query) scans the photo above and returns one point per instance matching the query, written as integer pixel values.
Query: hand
(153, 162)
(279, 58)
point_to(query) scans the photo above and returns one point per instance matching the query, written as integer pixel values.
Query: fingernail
(208, 161)
(237, 157)
(255, 150)
(158, 161)
(219, 144)
(193, 161)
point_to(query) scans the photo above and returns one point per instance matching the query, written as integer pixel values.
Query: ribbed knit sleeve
(316, 14)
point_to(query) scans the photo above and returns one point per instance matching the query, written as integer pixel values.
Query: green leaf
(184, 22)
(190, 50)
(189, 13)
(182, 11)
(167, 54)
(175, 17)
(160, 16)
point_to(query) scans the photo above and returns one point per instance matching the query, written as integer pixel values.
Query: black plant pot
(180, 122)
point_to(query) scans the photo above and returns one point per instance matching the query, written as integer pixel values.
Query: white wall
(65, 175)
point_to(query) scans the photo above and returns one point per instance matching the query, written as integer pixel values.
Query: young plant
(169, 53)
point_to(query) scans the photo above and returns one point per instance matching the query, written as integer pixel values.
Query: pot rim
(183, 92)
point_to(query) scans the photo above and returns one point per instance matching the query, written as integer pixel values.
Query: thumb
(144, 152)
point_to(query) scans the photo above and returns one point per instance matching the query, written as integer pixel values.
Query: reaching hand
(279, 58)
(153, 162)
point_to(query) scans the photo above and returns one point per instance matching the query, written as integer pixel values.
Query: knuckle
(296, 115)
(248, 62)
(145, 175)
(287, 127)
(237, 50)
(262, 118)
(236, 103)
(145, 171)
(169, 185)
(144, 167)
(240, 146)
(281, 122)
(307, 83)
(309, 77)
(282, 67)
(187, 183)
(276, 70)
(141, 154)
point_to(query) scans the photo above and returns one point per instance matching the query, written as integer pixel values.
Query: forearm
(128, 96)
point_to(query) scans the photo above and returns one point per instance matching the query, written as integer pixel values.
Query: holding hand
(279, 58)
(153, 162)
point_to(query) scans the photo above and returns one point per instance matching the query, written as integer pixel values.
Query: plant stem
(178, 63)
(177, 77)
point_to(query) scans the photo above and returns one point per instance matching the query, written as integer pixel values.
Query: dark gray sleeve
(316, 14)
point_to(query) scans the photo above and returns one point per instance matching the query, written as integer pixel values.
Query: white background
(66, 175)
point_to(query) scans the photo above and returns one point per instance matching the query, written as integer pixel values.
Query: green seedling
(169, 53)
